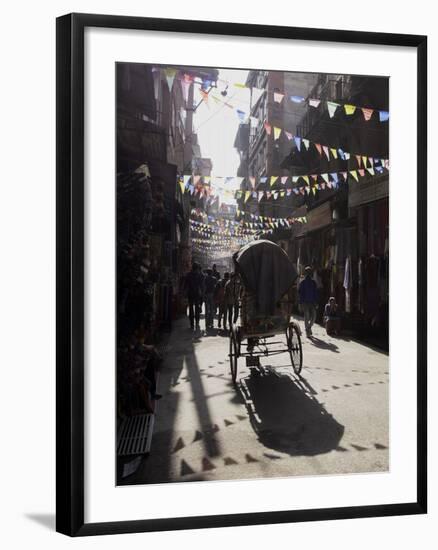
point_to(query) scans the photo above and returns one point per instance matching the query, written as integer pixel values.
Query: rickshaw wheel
(294, 346)
(234, 351)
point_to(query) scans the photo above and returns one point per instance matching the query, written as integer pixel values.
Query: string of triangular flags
(187, 79)
(281, 186)
(304, 144)
(332, 106)
(255, 217)
(246, 224)
(278, 96)
(231, 230)
(245, 227)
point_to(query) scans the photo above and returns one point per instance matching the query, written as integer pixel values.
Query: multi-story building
(155, 109)
(346, 235)
(262, 152)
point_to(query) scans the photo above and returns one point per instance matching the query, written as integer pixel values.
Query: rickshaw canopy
(266, 271)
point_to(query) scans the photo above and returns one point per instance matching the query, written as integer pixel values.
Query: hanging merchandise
(347, 284)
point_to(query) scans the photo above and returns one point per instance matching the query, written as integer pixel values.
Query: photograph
(252, 270)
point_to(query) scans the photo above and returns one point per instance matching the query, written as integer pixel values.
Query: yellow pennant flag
(277, 132)
(334, 153)
(273, 180)
(354, 174)
(182, 186)
(306, 179)
(349, 109)
(247, 195)
(239, 85)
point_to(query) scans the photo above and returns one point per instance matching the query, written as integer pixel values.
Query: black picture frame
(70, 273)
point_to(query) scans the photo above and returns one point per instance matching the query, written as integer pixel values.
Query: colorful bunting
(314, 102)
(170, 77)
(331, 106)
(367, 113)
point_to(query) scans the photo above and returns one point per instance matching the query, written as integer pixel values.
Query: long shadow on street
(286, 416)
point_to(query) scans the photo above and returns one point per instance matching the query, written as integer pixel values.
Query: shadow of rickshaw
(286, 416)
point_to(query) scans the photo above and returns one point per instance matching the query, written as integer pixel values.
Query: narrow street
(262, 193)
(330, 419)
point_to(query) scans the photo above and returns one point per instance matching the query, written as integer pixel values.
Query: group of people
(219, 295)
(309, 298)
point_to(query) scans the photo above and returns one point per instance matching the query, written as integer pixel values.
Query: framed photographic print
(241, 274)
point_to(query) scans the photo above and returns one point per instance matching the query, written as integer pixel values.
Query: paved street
(331, 419)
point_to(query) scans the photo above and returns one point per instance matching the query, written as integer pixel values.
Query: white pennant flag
(314, 102)
(331, 106)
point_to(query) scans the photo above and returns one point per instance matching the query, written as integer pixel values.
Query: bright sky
(216, 124)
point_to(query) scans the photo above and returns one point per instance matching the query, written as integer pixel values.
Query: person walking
(194, 286)
(308, 298)
(215, 272)
(232, 295)
(220, 300)
(217, 275)
(209, 290)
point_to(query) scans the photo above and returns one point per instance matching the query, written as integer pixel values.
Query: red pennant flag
(268, 128)
(367, 113)
(318, 146)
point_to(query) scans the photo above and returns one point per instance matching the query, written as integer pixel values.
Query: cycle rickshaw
(267, 276)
